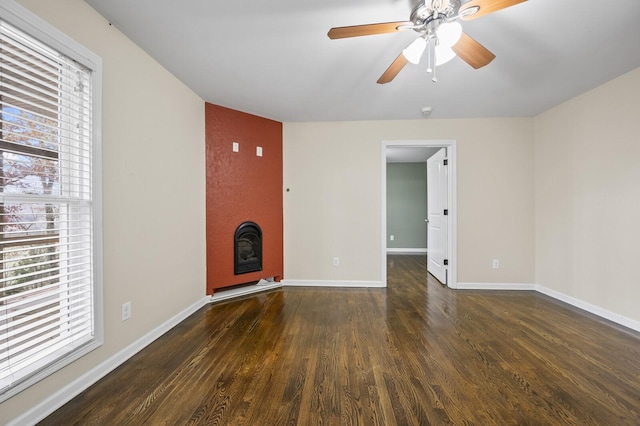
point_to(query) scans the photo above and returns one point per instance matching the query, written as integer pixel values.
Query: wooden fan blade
(486, 7)
(363, 30)
(472, 52)
(393, 69)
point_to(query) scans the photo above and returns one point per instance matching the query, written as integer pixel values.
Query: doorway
(424, 147)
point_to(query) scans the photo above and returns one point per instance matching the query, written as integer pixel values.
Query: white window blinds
(47, 289)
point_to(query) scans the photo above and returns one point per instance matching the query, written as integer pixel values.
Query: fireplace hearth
(248, 248)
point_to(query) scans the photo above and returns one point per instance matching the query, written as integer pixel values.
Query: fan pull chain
(431, 56)
(435, 60)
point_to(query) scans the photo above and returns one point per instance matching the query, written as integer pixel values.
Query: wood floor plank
(414, 353)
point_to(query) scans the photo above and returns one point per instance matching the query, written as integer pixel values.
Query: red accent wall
(242, 187)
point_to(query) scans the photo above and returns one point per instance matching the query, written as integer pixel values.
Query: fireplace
(247, 248)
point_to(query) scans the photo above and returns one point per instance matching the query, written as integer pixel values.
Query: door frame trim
(452, 191)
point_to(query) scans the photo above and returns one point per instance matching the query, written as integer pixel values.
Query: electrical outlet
(259, 151)
(236, 147)
(392, 237)
(126, 311)
(336, 261)
(496, 264)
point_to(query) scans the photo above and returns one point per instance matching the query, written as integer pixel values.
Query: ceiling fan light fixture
(443, 55)
(414, 51)
(449, 33)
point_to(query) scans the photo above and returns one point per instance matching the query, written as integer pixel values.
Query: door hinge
(446, 212)
(446, 262)
(446, 162)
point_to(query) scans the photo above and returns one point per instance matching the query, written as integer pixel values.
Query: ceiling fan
(441, 36)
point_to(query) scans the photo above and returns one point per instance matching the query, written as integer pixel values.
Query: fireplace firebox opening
(247, 248)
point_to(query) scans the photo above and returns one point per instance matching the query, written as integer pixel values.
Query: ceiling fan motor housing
(442, 10)
(427, 16)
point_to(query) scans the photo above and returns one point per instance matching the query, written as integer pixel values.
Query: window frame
(29, 23)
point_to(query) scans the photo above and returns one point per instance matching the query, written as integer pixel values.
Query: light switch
(259, 151)
(236, 147)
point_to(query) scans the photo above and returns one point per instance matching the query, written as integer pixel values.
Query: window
(50, 288)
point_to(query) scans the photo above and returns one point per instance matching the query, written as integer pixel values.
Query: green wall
(407, 205)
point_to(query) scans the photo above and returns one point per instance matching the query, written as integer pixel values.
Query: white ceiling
(273, 58)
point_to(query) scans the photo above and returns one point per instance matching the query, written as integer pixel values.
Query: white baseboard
(67, 393)
(495, 286)
(406, 250)
(596, 310)
(331, 283)
(242, 291)
(585, 306)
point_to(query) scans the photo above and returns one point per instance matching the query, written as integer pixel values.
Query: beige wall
(333, 208)
(587, 181)
(154, 191)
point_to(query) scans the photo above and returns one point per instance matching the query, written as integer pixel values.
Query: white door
(437, 179)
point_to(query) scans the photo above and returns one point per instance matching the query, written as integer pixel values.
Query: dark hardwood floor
(415, 353)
